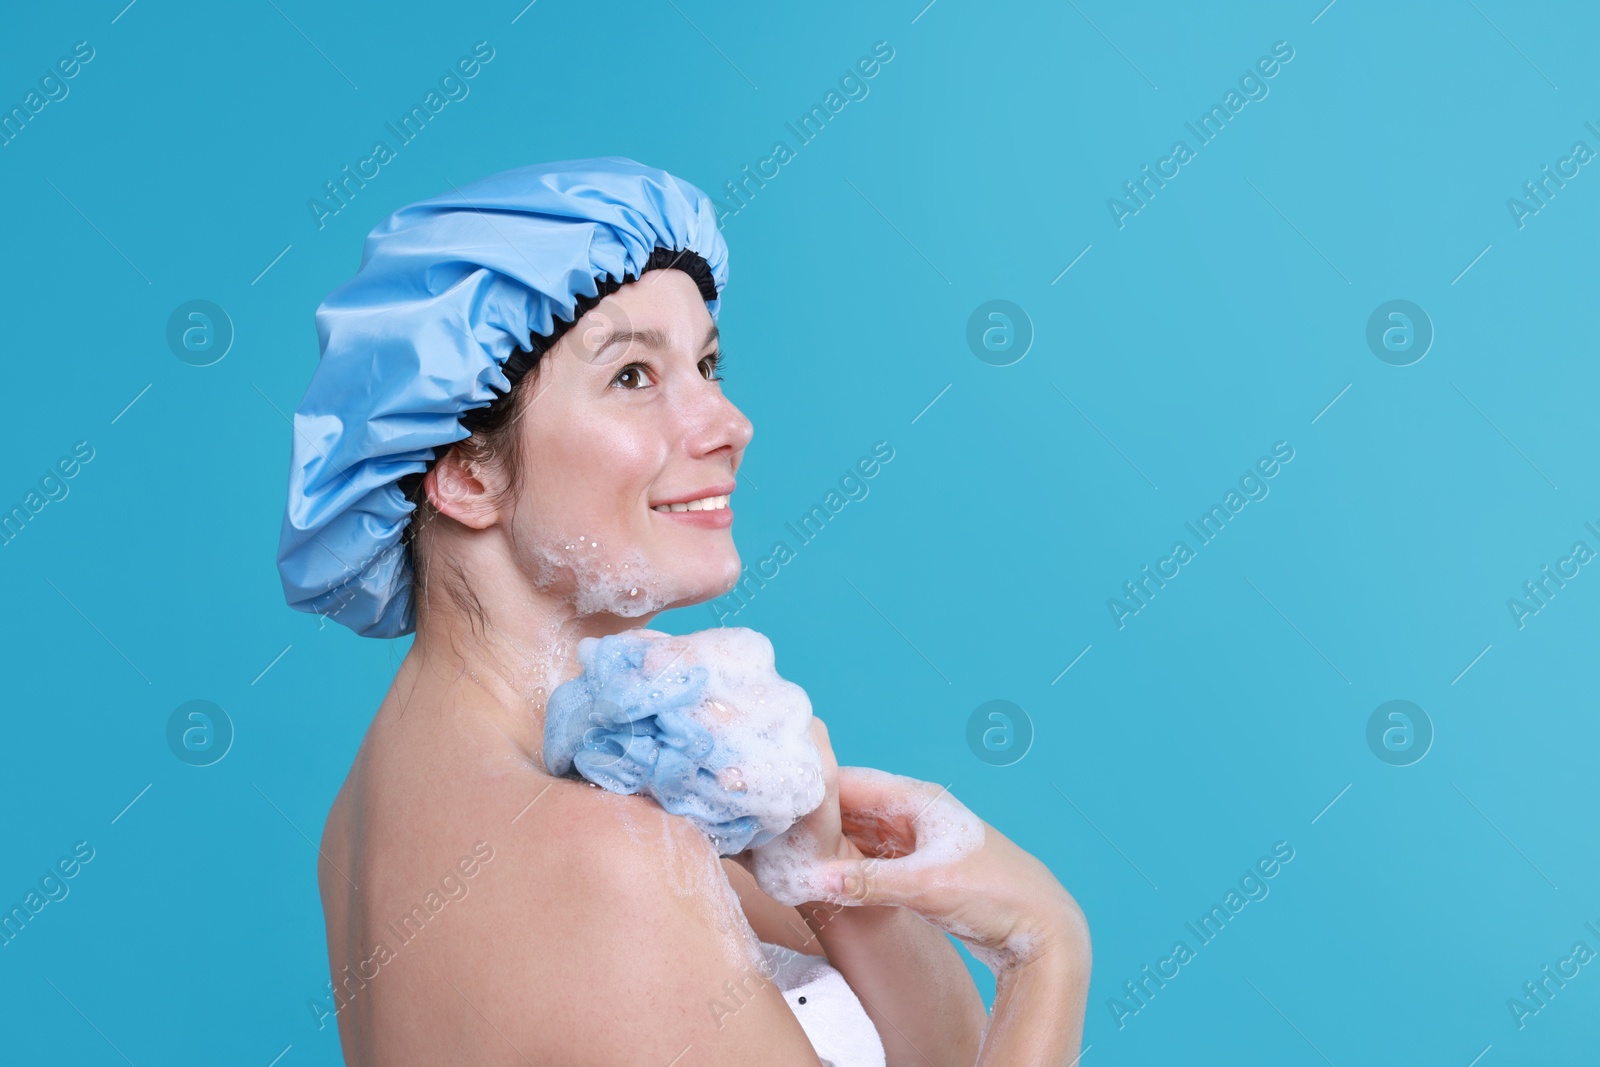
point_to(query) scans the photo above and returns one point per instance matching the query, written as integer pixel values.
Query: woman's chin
(729, 575)
(710, 581)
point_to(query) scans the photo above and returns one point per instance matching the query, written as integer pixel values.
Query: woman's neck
(502, 662)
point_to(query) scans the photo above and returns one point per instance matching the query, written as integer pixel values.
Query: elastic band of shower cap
(455, 299)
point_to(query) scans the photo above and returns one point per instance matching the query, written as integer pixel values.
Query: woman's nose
(718, 425)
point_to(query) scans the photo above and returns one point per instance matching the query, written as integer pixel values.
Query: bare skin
(479, 910)
(1002, 902)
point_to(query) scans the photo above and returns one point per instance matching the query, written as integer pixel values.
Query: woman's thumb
(862, 882)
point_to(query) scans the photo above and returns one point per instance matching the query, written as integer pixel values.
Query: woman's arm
(909, 977)
(906, 973)
(995, 897)
(1038, 1008)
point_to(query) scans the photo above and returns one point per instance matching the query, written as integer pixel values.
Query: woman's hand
(818, 837)
(999, 900)
(910, 978)
(824, 825)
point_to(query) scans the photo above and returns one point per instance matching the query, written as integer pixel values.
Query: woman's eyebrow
(649, 337)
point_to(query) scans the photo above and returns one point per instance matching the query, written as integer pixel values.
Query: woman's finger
(879, 811)
(819, 737)
(830, 770)
(869, 790)
(871, 882)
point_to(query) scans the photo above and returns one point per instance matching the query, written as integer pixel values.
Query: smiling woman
(506, 467)
(570, 429)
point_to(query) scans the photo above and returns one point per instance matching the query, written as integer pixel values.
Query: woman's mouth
(705, 503)
(711, 510)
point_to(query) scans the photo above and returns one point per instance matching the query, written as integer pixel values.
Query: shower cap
(702, 724)
(449, 290)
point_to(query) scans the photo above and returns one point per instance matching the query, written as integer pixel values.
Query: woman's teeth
(705, 503)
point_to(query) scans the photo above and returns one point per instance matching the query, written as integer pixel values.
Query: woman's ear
(467, 490)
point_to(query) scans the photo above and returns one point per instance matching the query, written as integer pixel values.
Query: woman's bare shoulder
(521, 915)
(609, 927)
(583, 867)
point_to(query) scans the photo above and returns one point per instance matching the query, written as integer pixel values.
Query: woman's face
(626, 419)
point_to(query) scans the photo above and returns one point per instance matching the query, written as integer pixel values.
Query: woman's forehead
(648, 315)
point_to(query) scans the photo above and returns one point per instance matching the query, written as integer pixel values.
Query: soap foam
(789, 870)
(1018, 947)
(625, 585)
(945, 829)
(701, 876)
(702, 723)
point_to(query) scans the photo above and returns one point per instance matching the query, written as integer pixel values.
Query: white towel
(833, 1018)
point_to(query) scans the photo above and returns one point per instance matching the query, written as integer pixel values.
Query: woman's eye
(711, 366)
(633, 376)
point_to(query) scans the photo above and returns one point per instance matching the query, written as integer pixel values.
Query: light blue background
(1221, 319)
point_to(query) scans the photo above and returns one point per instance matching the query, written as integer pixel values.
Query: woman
(514, 392)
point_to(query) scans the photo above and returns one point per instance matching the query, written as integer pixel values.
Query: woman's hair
(493, 438)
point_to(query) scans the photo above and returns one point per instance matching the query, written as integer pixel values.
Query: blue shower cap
(448, 289)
